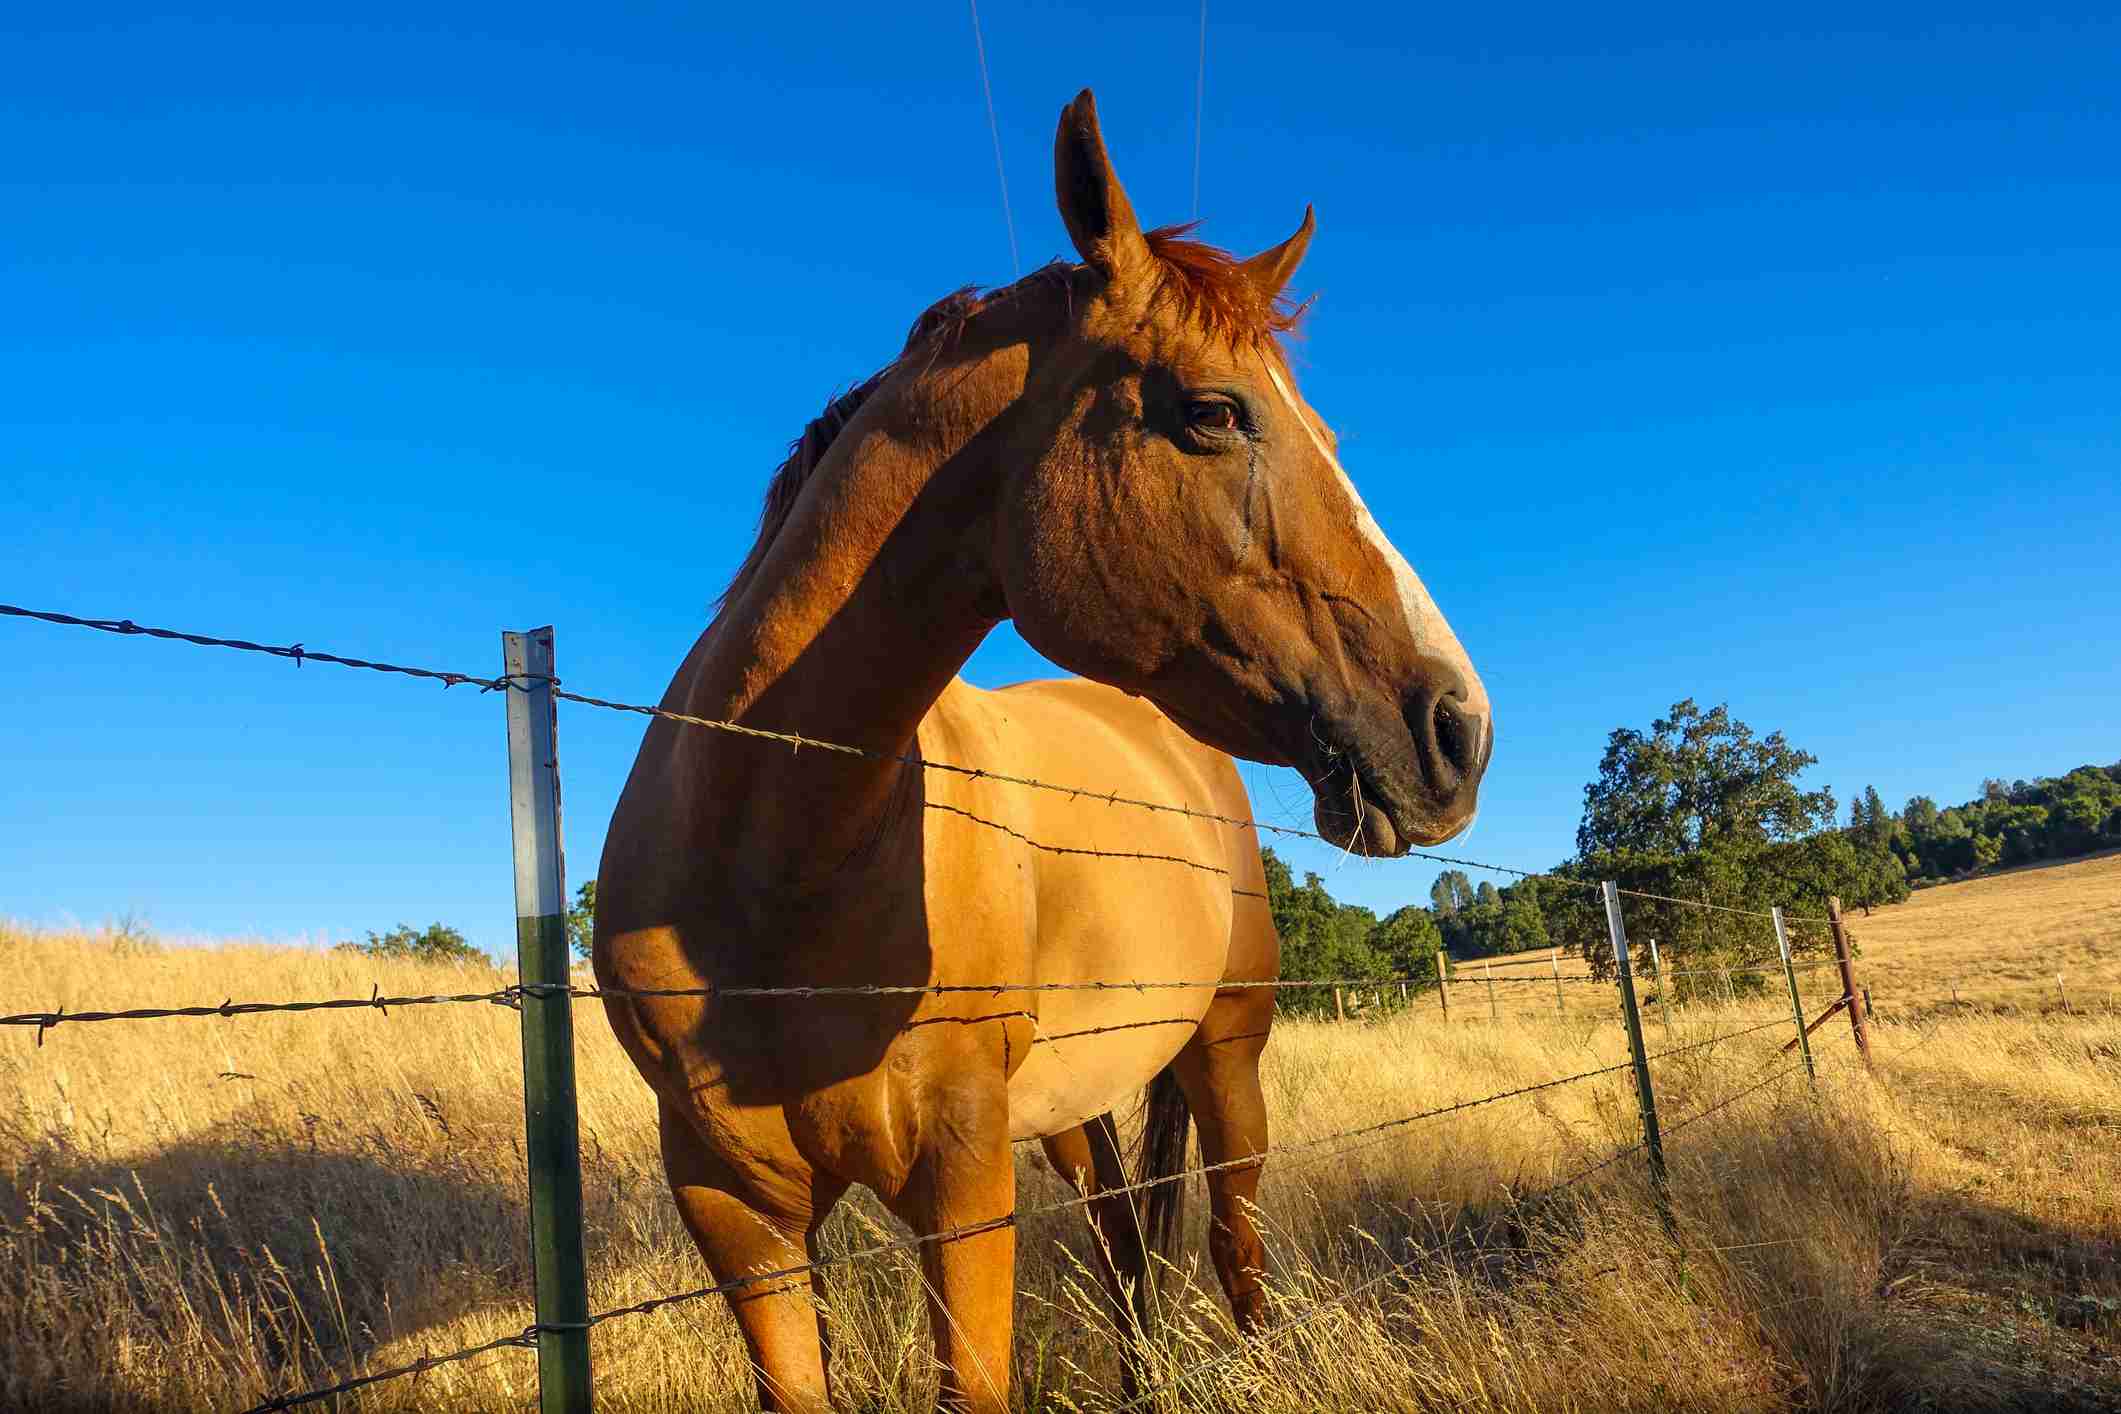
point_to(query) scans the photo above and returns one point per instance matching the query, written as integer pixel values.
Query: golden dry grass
(200, 1212)
(2001, 940)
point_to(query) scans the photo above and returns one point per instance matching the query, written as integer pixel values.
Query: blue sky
(1684, 351)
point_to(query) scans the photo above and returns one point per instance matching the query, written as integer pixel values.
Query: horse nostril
(1458, 739)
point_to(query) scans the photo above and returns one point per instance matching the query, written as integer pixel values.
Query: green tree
(582, 919)
(438, 942)
(1407, 940)
(1451, 892)
(1698, 780)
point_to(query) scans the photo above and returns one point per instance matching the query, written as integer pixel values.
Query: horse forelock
(1209, 285)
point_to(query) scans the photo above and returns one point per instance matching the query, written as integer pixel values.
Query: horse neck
(870, 599)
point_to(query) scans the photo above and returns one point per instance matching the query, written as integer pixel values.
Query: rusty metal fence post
(1645, 1092)
(1859, 998)
(552, 1142)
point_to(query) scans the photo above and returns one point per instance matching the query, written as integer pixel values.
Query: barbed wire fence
(545, 992)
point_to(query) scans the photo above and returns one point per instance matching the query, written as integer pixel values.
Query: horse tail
(1162, 1155)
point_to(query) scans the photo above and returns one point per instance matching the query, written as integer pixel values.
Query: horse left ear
(1093, 205)
(1271, 270)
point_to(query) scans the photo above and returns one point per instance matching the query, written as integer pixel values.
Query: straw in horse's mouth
(1350, 809)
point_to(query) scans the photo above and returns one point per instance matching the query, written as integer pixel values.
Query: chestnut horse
(1112, 455)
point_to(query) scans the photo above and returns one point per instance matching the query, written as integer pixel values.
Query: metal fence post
(1859, 997)
(1561, 1008)
(1789, 971)
(1443, 980)
(1645, 1093)
(1487, 970)
(552, 1142)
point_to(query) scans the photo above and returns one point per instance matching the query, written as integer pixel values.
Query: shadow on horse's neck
(869, 600)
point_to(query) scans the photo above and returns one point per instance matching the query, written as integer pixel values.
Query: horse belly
(1093, 1050)
(1080, 1068)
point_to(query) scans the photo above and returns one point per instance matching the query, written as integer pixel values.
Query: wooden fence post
(1487, 970)
(1859, 997)
(552, 1140)
(1340, 1012)
(1645, 1093)
(2062, 994)
(1560, 1007)
(1789, 971)
(1443, 980)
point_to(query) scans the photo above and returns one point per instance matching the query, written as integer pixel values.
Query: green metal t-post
(1789, 970)
(1645, 1093)
(552, 1141)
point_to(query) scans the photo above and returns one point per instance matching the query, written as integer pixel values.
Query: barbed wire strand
(795, 740)
(295, 651)
(300, 654)
(513, 994)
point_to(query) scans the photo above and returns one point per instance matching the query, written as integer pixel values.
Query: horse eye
(1211, 416)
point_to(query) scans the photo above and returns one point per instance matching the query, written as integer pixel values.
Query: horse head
(1180, 526)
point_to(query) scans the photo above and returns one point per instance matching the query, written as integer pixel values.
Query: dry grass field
(1995, 944)
(1999, 942)
(199, 1212)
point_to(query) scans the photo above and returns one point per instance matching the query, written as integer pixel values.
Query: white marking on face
(1430, 630)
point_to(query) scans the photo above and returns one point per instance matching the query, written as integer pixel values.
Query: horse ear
(1099, 217)
(1271, 270)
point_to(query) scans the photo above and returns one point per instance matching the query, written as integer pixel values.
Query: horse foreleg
(1219, 1071)
(742, 1234)
(1088, 1156)
(962, 1192)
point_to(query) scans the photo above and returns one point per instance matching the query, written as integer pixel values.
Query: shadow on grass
(1984, 1309)
(280, 1255)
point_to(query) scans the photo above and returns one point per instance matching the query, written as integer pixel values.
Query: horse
(1112, 455)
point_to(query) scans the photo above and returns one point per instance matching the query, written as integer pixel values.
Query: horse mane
(1205, 281)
